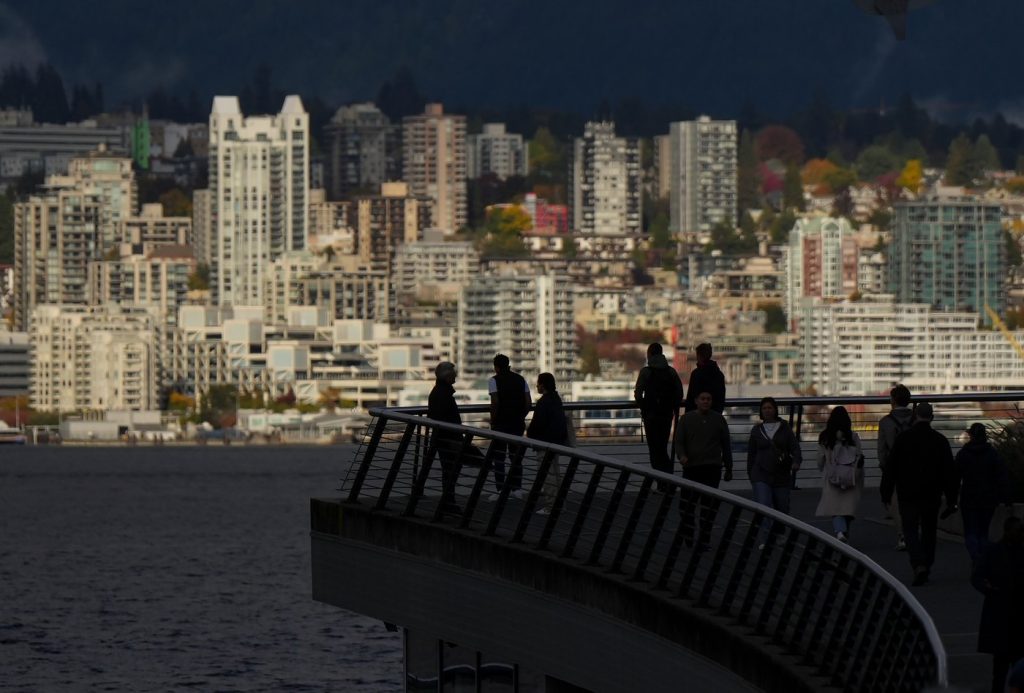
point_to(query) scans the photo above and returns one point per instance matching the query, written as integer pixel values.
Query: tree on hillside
(781, 226)
(6, 228)
(176, 203)
(779, 142)
(50, 101)
(875, 161)
(986, 158)
(792, 189)
(816, 171)
(960, 168)
(547, 157)
(912, 176)
(748, 179)
(400, 97)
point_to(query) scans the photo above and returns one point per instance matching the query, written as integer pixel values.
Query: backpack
(661, 394)
(842, 469)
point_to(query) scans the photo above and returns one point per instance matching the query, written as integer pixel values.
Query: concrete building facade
(605, 183)
(702, 162)
(363, 150)
(497, 152)
(259, 194)
(434, 163)
(822, 260)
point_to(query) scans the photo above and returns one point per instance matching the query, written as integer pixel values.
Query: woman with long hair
(773, 457)
(841, 462)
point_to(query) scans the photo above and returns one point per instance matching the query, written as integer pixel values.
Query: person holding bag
(773, 457)
(841, 462)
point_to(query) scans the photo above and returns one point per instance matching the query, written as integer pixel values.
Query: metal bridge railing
(828, 606)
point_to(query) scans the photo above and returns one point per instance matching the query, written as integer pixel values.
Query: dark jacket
(703, 439)
(999, 575)
(548, 423)
(441, 406)
(763, 455)
(920, 467)
(706, 378)
(658, 391)
(983, 476)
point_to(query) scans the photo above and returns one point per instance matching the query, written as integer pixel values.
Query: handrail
(841, 578)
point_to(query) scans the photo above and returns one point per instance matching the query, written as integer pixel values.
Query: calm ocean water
(155, 569)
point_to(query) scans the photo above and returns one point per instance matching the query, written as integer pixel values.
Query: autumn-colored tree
(780, 142)
(911, 176)
(547, 156)
(508, 219)
(1015, 185)
(200, 279)
(816, 171)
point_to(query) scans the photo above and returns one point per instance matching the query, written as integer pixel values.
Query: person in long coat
(773, 457)
(838, 444)
(999, 575)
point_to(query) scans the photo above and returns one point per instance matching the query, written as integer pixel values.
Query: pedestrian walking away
(984, 483)
(898, 420)
(999, 575)
(841, 462)
(441, 406)
(773, 456)
(706, 377)
(920, 470)
(510, 403)
(659, 394)
(551, 425)
(704, 448)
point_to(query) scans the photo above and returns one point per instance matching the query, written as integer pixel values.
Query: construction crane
(1001, 326)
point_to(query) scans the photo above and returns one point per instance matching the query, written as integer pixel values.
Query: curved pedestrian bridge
(594, 578)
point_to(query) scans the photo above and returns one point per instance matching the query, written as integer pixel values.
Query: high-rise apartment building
(496, 152)
(363, 150)
(527, 318)
(434, 163)
(259, 194)
(93, 357)
(73, 219)
(150, 227)
(202, 232)
(702, 163)
(822, 260)
(385, 221)
(433, 270)
(605, 183)
(948, 253)
(156, 278)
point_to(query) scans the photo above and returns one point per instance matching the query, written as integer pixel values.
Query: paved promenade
(953, 604)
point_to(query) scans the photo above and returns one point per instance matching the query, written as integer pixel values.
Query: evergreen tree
(6, 228)
(985, 156)
(400, 97)
(793, 189)
(959, 163)
(748, 178)
(50, 101)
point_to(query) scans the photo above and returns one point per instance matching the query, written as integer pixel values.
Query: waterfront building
(259, 194)
(949, 252)
(702, 174)
(497, 152)
(867, 346)
(527, 318)
(363, 150)
(434, 163)
(94, 358)
(15, 362)
(605, 183)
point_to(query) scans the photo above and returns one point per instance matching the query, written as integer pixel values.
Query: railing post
(559, 502)
(420, 483)
(631, 523)
(368, 454)
(531, 500)
(581, 515)
(450, 479)
(396, 463)
(478, 487)
(609, 515)
(654, 533)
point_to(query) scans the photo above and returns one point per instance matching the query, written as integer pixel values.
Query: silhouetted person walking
(999, 575)
(704, 448)
(510, 403)
(898, 420)
(920, 471)
(984, 483)
(441, 406)
(549, 424)
(659, 394)
(706, 377)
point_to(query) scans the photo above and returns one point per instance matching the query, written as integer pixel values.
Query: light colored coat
(834, 500)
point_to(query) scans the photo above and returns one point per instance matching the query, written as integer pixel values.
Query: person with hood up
(706, 377)
(983, 483)
(999, 575)
(659, 394)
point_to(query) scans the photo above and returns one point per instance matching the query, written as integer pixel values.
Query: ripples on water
(174, 568)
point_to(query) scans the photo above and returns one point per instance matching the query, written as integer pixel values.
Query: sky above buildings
(712, 56)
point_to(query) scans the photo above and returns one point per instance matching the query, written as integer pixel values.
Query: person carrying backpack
(892, 425)
(841, 461)
(659, 394)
